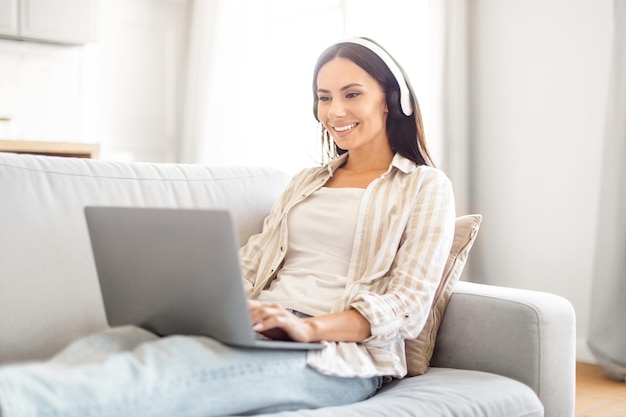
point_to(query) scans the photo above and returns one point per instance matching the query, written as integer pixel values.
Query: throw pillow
(419, 351)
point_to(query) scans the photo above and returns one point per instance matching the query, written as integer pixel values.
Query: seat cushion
(441, 392)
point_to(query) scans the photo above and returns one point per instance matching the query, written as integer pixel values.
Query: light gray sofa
(500, 352)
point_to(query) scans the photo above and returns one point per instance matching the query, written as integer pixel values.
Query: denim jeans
(128, 371)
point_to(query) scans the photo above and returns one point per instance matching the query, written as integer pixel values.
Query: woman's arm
(396, 302)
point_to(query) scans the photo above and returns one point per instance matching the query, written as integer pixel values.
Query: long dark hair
(405, 133)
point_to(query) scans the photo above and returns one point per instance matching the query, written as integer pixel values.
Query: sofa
(498, 352)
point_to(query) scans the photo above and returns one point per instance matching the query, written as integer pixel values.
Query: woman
(351, 254)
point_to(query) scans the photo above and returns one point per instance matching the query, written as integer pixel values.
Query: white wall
(538, 82)
(43, 90)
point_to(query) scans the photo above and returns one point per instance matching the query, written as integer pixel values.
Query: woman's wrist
(313, 329)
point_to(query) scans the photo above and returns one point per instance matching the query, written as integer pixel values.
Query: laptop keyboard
(259, 336)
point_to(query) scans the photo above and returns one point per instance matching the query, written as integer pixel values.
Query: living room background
(532, 86)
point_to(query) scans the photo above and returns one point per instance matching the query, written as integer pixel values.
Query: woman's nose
(336, 109)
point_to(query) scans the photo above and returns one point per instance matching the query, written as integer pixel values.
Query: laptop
(174, 271)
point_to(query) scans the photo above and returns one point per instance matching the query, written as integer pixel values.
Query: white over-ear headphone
(405, 96)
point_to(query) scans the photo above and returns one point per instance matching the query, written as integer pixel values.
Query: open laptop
(174, 271)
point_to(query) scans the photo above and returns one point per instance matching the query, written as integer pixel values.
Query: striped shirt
(404, 232)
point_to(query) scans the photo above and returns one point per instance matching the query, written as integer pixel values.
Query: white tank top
(320, 239)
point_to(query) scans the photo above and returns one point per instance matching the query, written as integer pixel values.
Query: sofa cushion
(441, 392)
(420, 350)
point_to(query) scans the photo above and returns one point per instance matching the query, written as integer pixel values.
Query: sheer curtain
(252, 68)
(248, 98)
(607, 333)
(197, 98)
(450, 127)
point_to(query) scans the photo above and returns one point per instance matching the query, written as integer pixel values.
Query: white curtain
(450, 129)
(607, 333)
(200, 68)
(450, 125)
(248, 94)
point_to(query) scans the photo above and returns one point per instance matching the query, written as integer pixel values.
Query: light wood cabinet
(58, 21)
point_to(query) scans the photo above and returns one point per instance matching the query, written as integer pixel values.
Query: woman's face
(351, 106)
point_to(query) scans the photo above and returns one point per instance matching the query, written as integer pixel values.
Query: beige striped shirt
(403, 236)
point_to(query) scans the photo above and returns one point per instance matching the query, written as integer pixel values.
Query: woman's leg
(181, 376)
(97, 347)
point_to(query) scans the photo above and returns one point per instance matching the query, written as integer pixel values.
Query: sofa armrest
(525, 335)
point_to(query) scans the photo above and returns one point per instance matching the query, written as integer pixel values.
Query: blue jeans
(128, 371)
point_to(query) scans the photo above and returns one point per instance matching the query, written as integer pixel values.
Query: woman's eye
(352, 95)
(324, 98)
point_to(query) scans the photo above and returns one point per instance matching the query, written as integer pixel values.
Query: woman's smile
(345, 129)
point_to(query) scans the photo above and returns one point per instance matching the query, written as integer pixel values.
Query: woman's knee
(97, 346)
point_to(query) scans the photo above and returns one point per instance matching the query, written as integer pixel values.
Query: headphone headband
(405, 96)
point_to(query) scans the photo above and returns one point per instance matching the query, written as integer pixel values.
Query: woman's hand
(275, 322)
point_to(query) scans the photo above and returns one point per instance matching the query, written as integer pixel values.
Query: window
(261, 99)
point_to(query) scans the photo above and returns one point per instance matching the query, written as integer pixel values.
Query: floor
(597, 396)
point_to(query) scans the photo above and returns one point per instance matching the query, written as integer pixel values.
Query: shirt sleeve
(399, 310)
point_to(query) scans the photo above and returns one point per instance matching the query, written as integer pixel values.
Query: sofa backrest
(49, 293)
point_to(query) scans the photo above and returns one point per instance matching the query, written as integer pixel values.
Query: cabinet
(8, 18)
(58, 21)
(67, 149)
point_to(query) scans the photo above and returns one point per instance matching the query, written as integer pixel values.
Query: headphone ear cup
(393, 103)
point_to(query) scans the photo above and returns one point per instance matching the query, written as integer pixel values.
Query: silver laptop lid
(170, 271)
(173, 271)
